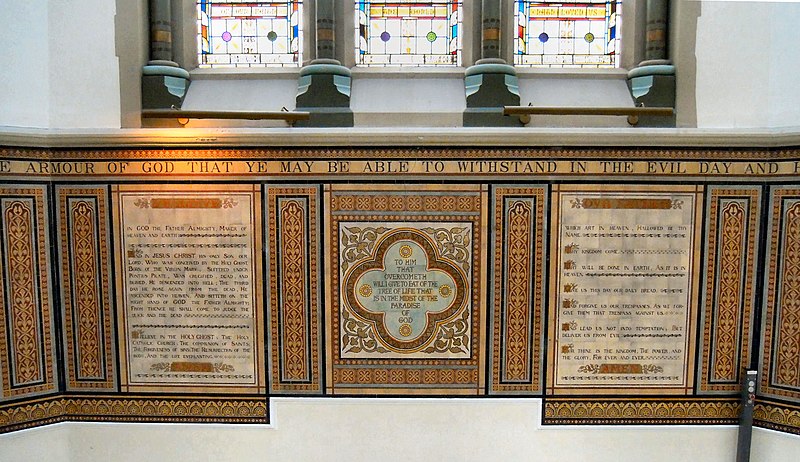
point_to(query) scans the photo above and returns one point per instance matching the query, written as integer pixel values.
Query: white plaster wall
(24, 64)
(354, 430)
(50, 443)
(784, 79)
(84, 71)
(747, 68)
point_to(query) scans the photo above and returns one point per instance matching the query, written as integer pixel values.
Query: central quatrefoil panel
(406, 290)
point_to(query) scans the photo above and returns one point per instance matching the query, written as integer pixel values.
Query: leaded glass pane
(408, 33)
(249, 34)
(558, 34)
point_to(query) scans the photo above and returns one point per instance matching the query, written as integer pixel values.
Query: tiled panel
(294, 289)
(777, 416)
(657, 410)
(732, 218)
(115, 408)
(26, 344)
(780, 361)
(517, 300)
(83, 234)
(405, 295)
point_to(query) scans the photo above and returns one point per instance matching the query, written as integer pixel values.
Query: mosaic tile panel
(405, 289)
(26, 342)
(732, 218)
(294, 289)
(83, 235)
(518, 253)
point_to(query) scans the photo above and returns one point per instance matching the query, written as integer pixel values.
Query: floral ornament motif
(358, 336)
(576, 203)
(453, 337)
(142, 203)
(651, 369)
(161, 367)
(453, 244)
(222, 367)
(357, 243)
(229, 203)
(589, 369)
(677, 204)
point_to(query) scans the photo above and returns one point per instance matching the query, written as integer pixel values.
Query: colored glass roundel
(249, 34)
(566, 34)
(408, 33)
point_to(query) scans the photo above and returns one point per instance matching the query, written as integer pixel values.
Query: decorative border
(26, 349)
(516, 322)
(777, 416)
(85, 290)
(429, 203)
(731, 236)
(294, 305)
(627, 411)
(780, 362)
(223, 409)
(399, 152)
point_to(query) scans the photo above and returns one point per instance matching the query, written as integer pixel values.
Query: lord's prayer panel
(624, 292)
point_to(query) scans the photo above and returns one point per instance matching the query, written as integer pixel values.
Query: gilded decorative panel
(83, 234)
(295, 359)
(732, 219)
(405, 290)
(517, 289)
(26, 344)
(780, 360)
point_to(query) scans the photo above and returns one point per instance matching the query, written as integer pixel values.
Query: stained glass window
(559, 34)
(408, 33)
(249, 34)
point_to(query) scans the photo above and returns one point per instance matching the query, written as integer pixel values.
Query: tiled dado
(443, 289)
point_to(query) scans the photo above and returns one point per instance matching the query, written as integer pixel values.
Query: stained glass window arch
(234, 33)
(568, 34)
(408, 32)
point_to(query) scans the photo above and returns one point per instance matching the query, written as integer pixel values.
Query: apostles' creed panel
(623, 289)
(294, 318)
(26, 320)
(189, 287)
(732, 219)
(780, 360)
(86, 309)
(517, 289)
(406, 273)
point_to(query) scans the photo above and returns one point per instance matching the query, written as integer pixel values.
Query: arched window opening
(249, 34)
(408, 33)
(566, 34)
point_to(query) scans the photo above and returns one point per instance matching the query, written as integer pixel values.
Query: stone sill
(407, 136)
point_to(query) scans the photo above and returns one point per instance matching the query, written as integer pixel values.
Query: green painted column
(161, 30)
(491, 83)
(326, 23)
(323, 88)
(656, 31)
(164, 83)
(490, 28)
